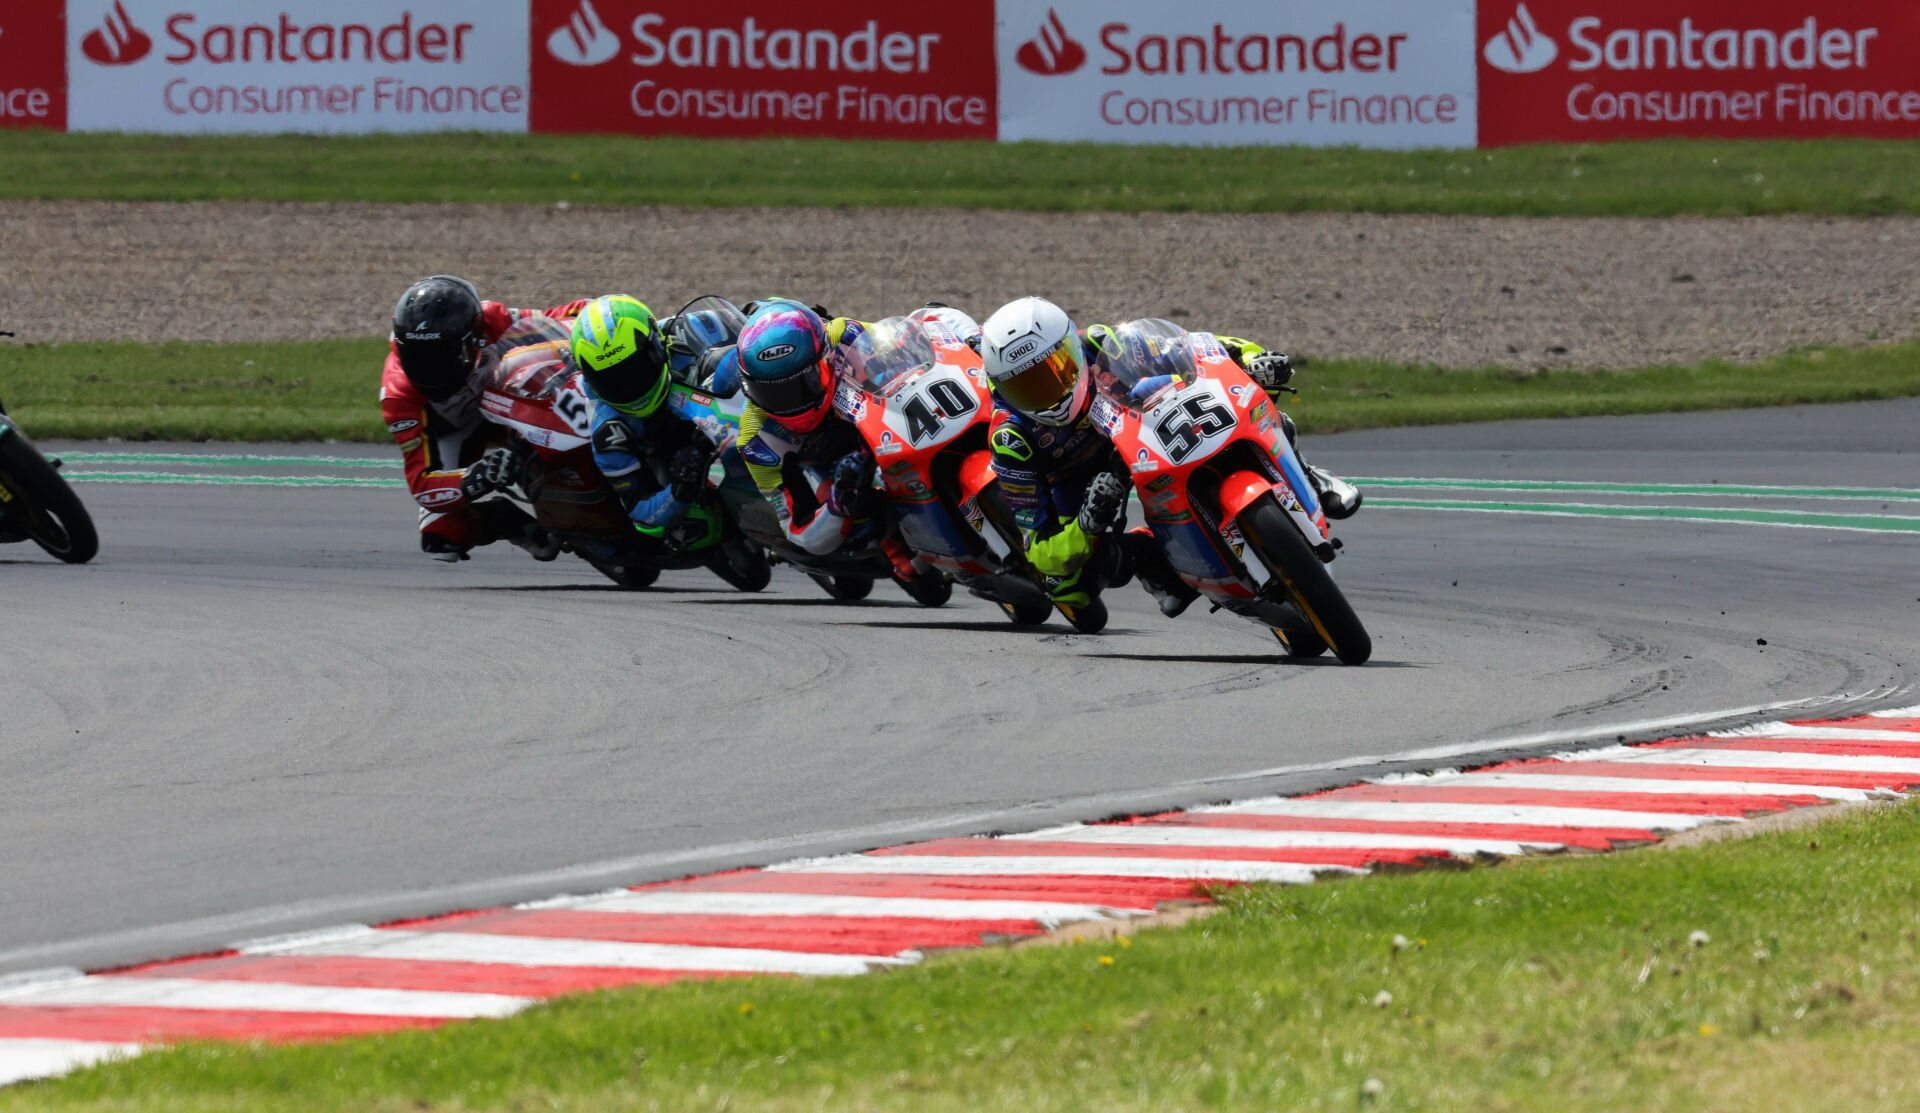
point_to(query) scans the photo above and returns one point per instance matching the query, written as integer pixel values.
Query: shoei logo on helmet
(1020, 351)
(116, 42)
(1521, 47)
(584, 40)
(1053, 51)
(778, 351)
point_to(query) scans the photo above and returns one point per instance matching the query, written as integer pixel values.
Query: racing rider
(657, 464)
(445, 340)
(1061, 475)
(808, 461)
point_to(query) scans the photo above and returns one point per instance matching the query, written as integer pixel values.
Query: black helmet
(438, 334)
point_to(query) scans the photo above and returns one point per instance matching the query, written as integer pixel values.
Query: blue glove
(851, 477)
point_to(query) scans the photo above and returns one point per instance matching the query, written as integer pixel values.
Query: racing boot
(537, 542)
(1156, 575)
(1338, 498)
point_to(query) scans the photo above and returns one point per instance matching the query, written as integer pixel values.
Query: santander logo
(117, 42)
(585, 40)
(1522, 47)
(1053, 51)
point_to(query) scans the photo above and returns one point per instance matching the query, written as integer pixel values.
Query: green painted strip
(229, 480)
(226, 461)
(1870, 523)
(1882, 494)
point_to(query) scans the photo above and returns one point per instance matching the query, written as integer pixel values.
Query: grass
(1718, 178)
(327, 390)
(1558, 984)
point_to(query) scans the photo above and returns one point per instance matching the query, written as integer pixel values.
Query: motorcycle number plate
(1191, 424)
(572, 405)
(936, 406)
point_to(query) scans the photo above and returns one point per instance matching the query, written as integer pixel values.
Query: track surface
(262, 710)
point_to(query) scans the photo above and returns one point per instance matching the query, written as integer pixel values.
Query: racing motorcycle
(536, 394)
(36, 504)
(714, 407)
(1220, 486)
(917, 393)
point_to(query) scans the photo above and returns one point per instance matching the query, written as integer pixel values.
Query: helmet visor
(636, 384)
(1045, 384)
(797, 393)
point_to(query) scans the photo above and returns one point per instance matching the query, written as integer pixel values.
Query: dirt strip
(1451, 291)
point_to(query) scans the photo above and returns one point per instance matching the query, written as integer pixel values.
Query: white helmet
(1035, 363)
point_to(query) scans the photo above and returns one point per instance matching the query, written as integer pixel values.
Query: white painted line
(1897, 713)
(1757, 759)
(1529, 815)
(1198, 869)
(195, 993)
(1554, 782)
(1823, 734)
(806, 904)
(1153, 835)
(23, 1059)
(517, 950)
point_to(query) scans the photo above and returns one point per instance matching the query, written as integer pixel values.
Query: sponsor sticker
(1144, 461)
(888, 446)
(401, 426)
(439, 497)
(33, 78)
(1008, 442)
(851, 401)
(757, 451)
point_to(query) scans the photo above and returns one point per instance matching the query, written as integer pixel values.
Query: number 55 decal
(1182, 429)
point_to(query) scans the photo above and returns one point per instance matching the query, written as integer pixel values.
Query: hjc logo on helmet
(1053, 51)
(778, 351)
(117, 42)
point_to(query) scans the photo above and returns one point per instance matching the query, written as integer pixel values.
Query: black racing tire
(1090, 618)
(1300, 640)
(1030, 613)
(746, 569)
(847, 589)
(43, 506)
(630, 576)
(929, 589)
(1311, 589)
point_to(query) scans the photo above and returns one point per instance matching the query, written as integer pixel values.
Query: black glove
(1106, 498)
(687, 473)
(492, 472)
(1272, 370)
(852, 477)
(708, 365)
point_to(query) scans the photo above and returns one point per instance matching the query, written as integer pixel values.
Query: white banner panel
(297, 65)
(1371, 73)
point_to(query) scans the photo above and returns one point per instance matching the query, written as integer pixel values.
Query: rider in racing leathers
(810, 463)
(445, 341)
(656, 463)
(1063, 478)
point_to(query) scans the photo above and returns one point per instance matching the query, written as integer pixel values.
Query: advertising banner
(745, 68)
(33, 71)
(296, 65)
(1373, 73)
(1574, 71)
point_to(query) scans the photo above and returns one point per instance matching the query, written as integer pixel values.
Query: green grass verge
(1856, 177)
(327, 390)
(1560, 984)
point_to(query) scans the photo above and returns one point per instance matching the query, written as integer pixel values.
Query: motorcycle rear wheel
(43, 506)
(1303, 642)
(1029, 613)
(1313, 593)
(746, 567)
(630, 576)
(1089, 618)
(847, 589)
(929, 589)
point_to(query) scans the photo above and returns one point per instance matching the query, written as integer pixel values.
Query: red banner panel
(1566, 71)
(746, 68)
(33, 66)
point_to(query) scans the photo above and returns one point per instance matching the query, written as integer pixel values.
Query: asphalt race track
(263, 710)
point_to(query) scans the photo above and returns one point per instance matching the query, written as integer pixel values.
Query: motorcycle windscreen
(1134, 362)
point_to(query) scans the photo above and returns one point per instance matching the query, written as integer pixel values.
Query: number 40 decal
(1187, 426)
(932, 406)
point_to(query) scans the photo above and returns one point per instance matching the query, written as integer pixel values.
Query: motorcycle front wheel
(42, 505)
(1310, 589)
(847, 589)
(630, 576)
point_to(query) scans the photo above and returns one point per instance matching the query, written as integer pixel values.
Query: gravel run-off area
(1451, 291)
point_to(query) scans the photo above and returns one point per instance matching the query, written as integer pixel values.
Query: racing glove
(493, 471)
(687, 473)
(1272, 370)
(852, 477)
(1106, 498)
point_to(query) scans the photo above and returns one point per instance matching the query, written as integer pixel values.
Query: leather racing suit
(438, 440)
(633, 453)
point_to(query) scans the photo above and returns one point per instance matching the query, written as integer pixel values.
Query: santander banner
(297, 65)
(745, 68)
(1374, 73)
(1574, 71)
(33, 72)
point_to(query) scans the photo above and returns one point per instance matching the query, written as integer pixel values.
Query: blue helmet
(706, 322)
(783, 363)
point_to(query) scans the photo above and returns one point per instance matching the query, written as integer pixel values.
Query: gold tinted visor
(1046, 384)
